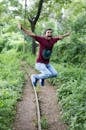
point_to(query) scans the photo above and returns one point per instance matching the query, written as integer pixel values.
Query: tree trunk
(33, 20)
(33, 41)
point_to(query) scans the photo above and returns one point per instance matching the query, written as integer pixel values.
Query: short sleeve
(38, 38)
(55, 39)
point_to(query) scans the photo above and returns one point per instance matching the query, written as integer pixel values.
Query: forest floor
(26, 108)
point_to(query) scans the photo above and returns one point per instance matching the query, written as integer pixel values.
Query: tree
(33, 20)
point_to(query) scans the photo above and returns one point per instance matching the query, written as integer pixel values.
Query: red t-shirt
(45, 48)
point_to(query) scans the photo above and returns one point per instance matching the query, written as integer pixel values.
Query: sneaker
(34, 80)
(41, 82)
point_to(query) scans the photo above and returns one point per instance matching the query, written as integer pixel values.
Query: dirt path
(50, 109)
(26, 109)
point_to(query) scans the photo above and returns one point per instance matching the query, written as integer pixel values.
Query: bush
(71, 88)
(11, 83)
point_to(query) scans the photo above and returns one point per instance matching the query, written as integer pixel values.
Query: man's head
(48, 33)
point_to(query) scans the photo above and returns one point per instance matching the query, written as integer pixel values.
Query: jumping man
(46, 44)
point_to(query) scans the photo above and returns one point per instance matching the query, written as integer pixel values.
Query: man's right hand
(30, 33)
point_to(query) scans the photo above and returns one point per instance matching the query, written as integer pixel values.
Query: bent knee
(55, 74)
(48, 75)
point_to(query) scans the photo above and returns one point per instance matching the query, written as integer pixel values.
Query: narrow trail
(50, 108)
(26, 118)
(26, 110)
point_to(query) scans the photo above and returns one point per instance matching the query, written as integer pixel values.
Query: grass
(11, 83)
(71, 89)
(44, 122)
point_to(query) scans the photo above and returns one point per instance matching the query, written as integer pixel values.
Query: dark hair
(47, 30)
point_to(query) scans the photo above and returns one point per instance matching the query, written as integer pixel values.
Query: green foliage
(79, 25)
(11, 82)
(44, 123)
(12, 40)
(73, 50)
(71, 88)
(63, 1)
(30, 58)
(70, 53)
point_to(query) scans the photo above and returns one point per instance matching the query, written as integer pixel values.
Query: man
(46, 44)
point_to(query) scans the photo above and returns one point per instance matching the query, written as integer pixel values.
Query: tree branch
(39, 11)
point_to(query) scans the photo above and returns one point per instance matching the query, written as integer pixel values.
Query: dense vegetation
(69, 58)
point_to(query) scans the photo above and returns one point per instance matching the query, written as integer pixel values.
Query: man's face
(48, 34)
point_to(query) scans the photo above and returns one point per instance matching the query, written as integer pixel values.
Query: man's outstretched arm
(63, 36)
(30, 33)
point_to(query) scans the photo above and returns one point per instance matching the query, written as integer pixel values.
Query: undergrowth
(11, 83)
(71, 89)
